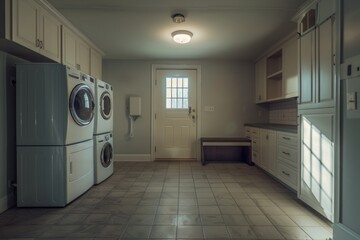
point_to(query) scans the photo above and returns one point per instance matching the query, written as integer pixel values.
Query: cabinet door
(50, 36)
(272, 151)
(317, 160)
(69, 48)
(325, 80)
(268, 150)
(25, 24)
(260, 80)
(95, 64)
(83, 56)
(307, 69)
(290, 69)
(264, 161)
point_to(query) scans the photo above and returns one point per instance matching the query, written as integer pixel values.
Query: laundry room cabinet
(268, 143)
(76, 52)
(260, 80)
(95, 64)
(36, 28)
(317, 66)
(276, 73)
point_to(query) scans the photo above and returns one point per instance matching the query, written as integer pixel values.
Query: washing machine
(103, 157)
(104, 113)
(53, 176)
(55, 105)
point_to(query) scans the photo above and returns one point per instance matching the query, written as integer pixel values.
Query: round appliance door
(106, 155)
(105, 105)
(82, 104)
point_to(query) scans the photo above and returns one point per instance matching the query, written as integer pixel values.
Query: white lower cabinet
(287, 157)
(276, 152)
(255, 154)
(268, 150)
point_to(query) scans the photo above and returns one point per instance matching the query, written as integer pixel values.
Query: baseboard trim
(132, 158)
(341, 232)
(7, 202)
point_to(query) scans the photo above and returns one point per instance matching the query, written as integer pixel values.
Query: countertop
(277, 127)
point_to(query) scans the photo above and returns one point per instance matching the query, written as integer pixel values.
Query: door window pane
(177, 89)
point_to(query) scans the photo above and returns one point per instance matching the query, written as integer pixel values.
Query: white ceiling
(141, 29)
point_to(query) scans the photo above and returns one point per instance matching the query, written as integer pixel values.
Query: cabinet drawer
(288, 138)
(287, 174)
(287, 153)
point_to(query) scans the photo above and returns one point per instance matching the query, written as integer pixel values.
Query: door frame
(154, 69)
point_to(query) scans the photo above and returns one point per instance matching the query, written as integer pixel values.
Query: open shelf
(276, 76)
(274, 73)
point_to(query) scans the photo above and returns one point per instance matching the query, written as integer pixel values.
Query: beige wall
(226, 85)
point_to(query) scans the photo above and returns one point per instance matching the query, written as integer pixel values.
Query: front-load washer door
(106, 156)
(82, 104)
(105, 105)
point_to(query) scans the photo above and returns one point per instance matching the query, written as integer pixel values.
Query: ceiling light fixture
(182, 36)
(178, 18)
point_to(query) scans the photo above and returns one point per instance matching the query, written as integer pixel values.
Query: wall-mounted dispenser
(135, 106)
(134, 112)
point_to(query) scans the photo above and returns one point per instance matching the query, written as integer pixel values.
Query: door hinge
(155, 148)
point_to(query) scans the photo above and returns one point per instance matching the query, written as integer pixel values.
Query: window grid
(177, 92)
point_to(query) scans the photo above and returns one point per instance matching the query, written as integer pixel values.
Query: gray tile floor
(174, 200)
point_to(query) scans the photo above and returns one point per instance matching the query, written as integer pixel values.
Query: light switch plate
(351, 101)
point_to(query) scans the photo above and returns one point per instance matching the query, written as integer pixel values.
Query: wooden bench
(225, 150)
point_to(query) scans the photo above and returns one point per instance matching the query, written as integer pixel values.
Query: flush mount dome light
(182, 36)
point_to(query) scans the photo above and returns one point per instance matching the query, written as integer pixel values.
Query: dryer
(53, 176)
(103, 157)
(55, 105)
(104, 113)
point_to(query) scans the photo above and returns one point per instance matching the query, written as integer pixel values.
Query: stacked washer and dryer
(55, 124)
(103, 137)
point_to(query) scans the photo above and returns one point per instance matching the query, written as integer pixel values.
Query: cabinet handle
(37, 43)
(267, 137)
(71, 168)
(41, 44)
(254, 142)
(286, 153)
(285, 173)
(286, 138)
(78, 66)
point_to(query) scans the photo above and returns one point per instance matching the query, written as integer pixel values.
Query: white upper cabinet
(276, 74)
(76, 52)
(83, 56)
(290, 69)
(260, 80)
(317, 61)
(95, 64)
(36, 29)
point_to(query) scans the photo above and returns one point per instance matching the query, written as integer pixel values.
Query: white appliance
(104, 113)
(53, 176)
(55, 110)
(55, 105)
(103, 154)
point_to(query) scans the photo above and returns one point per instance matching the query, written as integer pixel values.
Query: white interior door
(175, 114)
